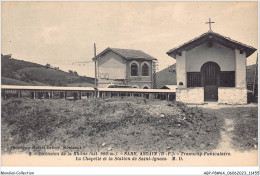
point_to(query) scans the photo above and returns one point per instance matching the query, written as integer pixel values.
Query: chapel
(211, 68)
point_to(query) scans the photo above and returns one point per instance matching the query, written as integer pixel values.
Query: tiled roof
(226, 41)
(127, 54)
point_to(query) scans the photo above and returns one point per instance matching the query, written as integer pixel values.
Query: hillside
(166, 76)
(10, 81)
(250, 74)
(19, 72)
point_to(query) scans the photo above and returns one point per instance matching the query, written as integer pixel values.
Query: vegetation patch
(246, 129)
(119, 124)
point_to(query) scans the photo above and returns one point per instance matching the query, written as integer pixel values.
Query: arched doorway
(210, 72)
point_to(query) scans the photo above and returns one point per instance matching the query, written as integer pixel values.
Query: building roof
(127, 54)
(214, 37)
(46, 88)
(52, 88)
(136, 90)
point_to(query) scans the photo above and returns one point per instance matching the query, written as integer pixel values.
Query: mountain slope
(250, 74)
(10, 81)
(166, 76)
(36, 74)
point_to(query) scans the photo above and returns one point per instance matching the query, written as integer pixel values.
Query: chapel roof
(127, 54)
(215, 37)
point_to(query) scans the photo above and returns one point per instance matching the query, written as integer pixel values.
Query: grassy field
(245, 129)
(118, 124)
(10, 81)
(241, 124)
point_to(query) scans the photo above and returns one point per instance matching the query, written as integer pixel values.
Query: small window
(145, 70)
(227, 79)
(145, 87)
(194, 79)
(134, 69)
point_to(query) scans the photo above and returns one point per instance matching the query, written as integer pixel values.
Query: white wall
(181, 69)
(232, 95)
(223, 56)
(240, 69)
(194, 95)
(112, 64)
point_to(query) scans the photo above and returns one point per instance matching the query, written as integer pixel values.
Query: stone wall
(234, 95)
(193, 95)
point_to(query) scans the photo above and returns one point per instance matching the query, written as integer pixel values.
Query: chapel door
(210, 80)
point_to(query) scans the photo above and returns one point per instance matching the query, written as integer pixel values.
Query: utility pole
(95, 54)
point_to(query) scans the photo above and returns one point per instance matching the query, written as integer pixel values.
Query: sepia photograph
(127, 83)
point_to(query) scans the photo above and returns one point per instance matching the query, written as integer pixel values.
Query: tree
(47, 66)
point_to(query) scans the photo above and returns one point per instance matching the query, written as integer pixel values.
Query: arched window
(145, 70)
(134, 69)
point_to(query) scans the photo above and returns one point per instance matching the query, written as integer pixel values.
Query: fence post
(80, 95)
(51, 96)
(18, 93)
(4, 94)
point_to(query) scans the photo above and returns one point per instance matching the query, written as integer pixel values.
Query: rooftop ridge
(127, 53)
(250, 49)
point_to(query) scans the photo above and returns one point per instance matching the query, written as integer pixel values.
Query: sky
(63, 33)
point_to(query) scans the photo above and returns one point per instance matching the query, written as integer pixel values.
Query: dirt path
(226, 135)
(229, 113)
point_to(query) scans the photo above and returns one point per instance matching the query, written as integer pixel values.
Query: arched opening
(210, 73)
(134, 69)
(145, 70)
(145, 87)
